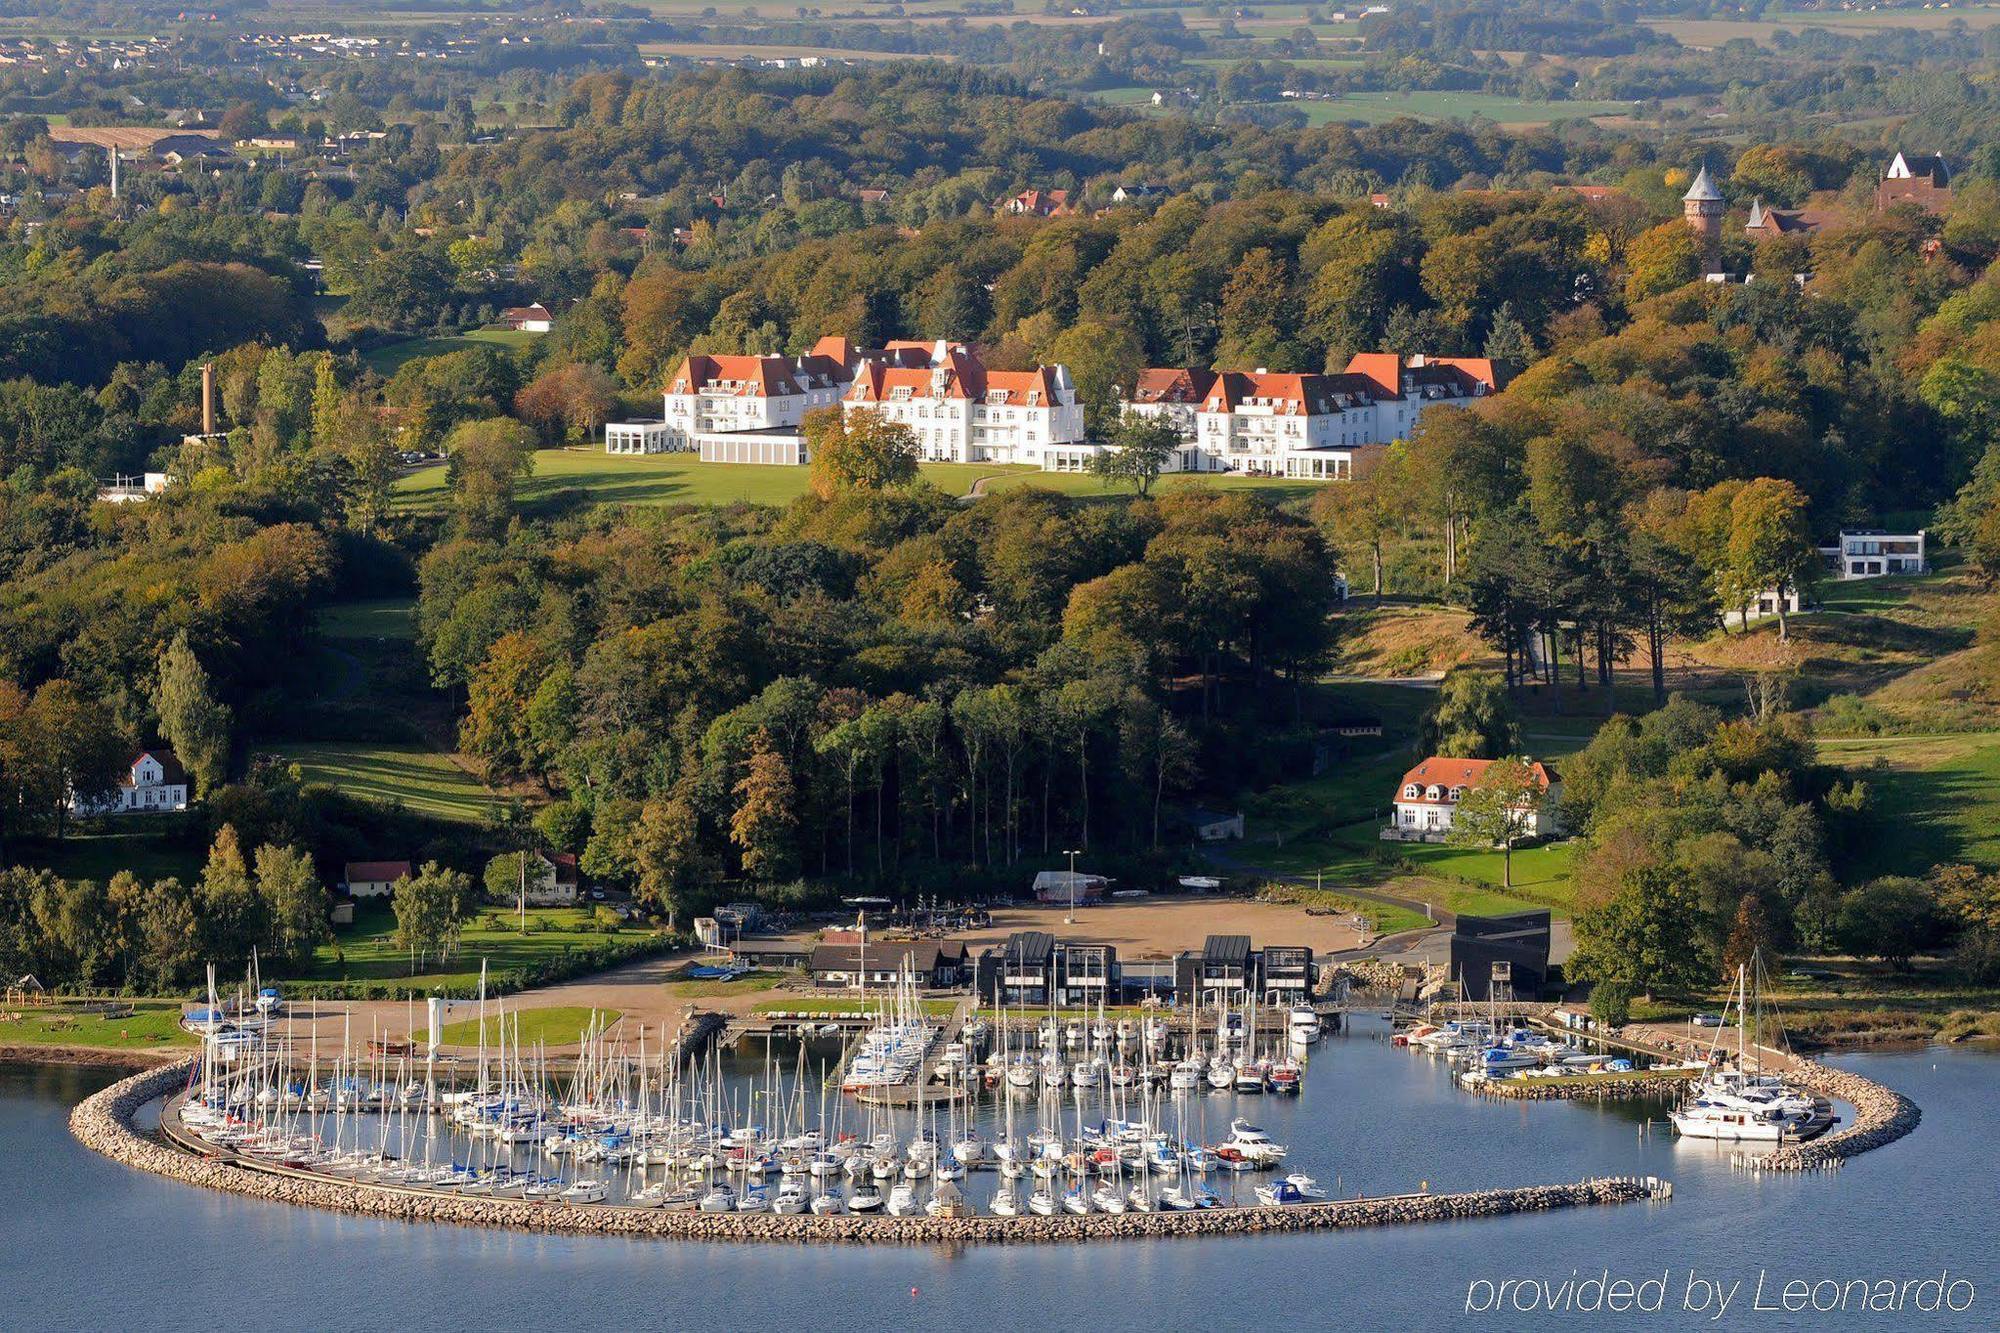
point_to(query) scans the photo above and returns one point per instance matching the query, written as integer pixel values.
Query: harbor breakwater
(1583, 1087)
(1881, 1115)
(103, 1123)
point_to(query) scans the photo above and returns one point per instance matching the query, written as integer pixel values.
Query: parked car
(1707, 1020)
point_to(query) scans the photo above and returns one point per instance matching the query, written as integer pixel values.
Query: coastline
(103, 1057)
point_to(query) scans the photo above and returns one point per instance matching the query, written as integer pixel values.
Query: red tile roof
(374, 872)
(1448, 773)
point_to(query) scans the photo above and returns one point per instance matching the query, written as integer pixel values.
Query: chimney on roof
(208, 398)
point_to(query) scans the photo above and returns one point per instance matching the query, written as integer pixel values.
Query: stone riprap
(1585, 1088)
(1881, 1115)
(103, 1123)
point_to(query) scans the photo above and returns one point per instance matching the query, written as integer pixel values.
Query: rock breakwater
(103, 1122)
(1881, 1115)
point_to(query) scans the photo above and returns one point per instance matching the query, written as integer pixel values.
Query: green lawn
(1382, 918)
(663, 479)
(1940, 793)
(382, 618)
(390, 357)
(367, 950)
(558, 1026)
(152, 1024)
(424, 781)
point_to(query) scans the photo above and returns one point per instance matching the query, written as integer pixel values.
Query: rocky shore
(104, 1123)
(1584, 1088)
(1881, 1115)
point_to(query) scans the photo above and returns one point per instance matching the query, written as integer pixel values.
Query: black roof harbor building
(1508, 952)
(1228, 969)
(937, 964)
(1034, 967)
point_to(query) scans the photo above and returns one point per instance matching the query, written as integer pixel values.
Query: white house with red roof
(372, 879)
(961, 412)
(1429, 795)
(154, 782)
(1308, 426)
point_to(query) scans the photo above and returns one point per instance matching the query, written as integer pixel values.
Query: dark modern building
(1033, 966)
(1511, 951)
(1228, 969)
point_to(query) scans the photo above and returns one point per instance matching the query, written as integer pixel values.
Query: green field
(708, 988)
(558, 1026)
(367, 950)
(389, 357)
(664, 479)
(424, 781)
(153, 1024)
(391, 618)
(1377, 108)
(1940, 793)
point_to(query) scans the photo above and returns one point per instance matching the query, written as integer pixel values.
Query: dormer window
(1412, 792)
(901, 394)
(1456, 793)
(996, 397)
(1434, 792)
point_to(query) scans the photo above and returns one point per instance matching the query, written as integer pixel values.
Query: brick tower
(1703, 206)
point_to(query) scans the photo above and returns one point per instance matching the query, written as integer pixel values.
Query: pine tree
(191, 719)
(1507, 339)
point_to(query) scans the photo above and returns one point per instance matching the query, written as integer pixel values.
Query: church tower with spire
(1703, 207)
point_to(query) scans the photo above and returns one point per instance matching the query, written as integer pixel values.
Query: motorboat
(791, 1197)
(721, 1199)
(1304, 1025)
(864, 1198)
(584, 1191)
(903, 1199)
(1280, 1193)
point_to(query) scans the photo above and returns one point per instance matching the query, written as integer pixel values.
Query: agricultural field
(734, 50)
(1377, 108)
(421, 780)
(1710, 33)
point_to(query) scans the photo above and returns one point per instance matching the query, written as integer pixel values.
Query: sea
(1906, 1236)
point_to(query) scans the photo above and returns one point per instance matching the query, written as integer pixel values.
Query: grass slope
(422, 780)
(390, 357)
(1940, 793)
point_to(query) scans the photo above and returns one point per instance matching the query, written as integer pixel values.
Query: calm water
(88, 1244)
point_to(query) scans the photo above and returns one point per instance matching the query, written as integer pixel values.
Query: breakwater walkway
(103, 1123)
(1881, 1116)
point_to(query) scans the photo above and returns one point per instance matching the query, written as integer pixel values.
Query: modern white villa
(1429, 794)
(1868, 553)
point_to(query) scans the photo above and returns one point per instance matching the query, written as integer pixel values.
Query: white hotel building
(1313, 427)
(749, 409)
(961, 412)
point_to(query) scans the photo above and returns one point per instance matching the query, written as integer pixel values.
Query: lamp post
(1071, 918)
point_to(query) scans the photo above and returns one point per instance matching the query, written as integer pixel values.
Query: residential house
(551, 879)
(1767, 222)
(534, 318)
(872, 964)
(1039, 203)
(1922, 179)
(1867, 553)
(873, 194)
(1216, 826)
(1132, 192)
(372, 879)
(1034, 967)
(1229, 968)
(1429, 795)
(154, 782)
